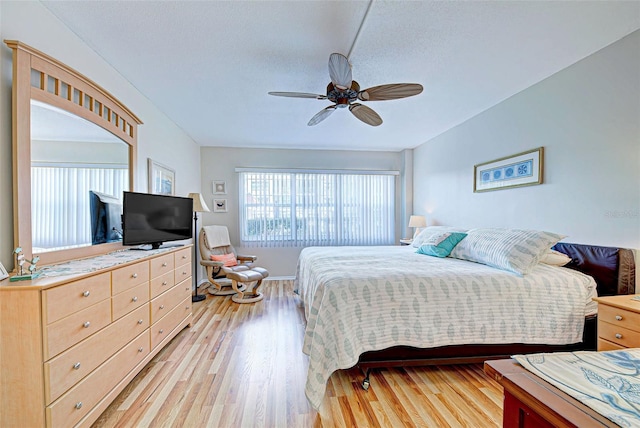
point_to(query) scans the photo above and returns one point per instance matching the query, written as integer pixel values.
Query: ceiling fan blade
(321, 115)
(390, 92)
(298, 95)
(365, 114)
(340, 71)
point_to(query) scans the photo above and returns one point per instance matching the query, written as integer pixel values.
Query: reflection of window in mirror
(70, 157)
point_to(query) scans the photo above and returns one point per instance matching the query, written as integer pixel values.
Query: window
(285, 208)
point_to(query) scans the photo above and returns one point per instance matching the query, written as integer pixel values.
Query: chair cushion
(227, 259)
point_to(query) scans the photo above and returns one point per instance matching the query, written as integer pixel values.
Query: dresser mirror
(74, 153)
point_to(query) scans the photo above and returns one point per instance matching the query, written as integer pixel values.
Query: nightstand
(406, 241)
(618, 322)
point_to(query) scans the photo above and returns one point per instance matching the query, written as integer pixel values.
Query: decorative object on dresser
(199, 206)
(618, 322)
(162, 179)
(219, 187)
(522, 169)
(21, 275)
(74, 338)
(417, 222)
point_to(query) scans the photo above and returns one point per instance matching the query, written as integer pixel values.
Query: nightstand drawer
(619, 335)
(605, 345)
(621, 317)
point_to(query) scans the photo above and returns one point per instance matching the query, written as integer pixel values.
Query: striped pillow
(513, 250)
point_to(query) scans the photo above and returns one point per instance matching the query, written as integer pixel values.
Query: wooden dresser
(618, 322)
(70, 344)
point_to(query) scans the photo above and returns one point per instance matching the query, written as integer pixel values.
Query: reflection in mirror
(78, 173)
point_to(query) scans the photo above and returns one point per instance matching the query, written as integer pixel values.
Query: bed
(385, 306)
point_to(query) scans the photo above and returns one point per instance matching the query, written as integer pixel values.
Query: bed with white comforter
(359, 299)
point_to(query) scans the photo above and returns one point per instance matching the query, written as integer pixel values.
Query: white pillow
(431, 231)
(513, 250)
(555, 258)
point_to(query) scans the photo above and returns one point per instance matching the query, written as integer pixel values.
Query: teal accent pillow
(441, 246)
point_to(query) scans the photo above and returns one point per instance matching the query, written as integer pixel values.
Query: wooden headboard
(613, 269)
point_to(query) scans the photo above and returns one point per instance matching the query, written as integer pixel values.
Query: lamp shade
(417, 221)
(199, 205)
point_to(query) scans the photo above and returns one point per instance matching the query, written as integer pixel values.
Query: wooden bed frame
(614, 272)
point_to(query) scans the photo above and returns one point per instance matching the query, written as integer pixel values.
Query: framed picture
(219, 205)
(3, 272)
(522, 169)
(219, 187)
(162, 179)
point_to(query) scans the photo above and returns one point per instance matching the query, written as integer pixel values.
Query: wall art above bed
(522, 169)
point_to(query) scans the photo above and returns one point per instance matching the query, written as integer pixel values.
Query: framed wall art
(219, 187)
(162, 179)
(522, 169)
(219, 205)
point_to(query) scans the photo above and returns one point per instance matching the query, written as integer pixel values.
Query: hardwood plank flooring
(243, 366)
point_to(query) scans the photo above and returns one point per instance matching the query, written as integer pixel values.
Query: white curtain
(60, 202)
(302, 209)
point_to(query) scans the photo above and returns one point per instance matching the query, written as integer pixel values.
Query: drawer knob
(184, 273)
(184, 257)
(79, 405)
(140, 349)
(134, 299)
(161, 331)
(618, 336)
(86, 293)
(618, 317)
(76, 366)
(135, 275)
(86, 324)
(164, 282)
(140, 321)
(161, 306)
(164, 264)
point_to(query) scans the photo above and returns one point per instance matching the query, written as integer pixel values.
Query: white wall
(220, 164)
(158, 138)
(587, 117)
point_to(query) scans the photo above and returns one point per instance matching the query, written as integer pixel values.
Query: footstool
(245, 283)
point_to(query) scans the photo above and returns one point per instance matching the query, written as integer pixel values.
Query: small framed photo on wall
(219, 187)
(219, 205)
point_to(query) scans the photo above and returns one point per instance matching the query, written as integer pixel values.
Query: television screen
(154, 219)
(106, 212)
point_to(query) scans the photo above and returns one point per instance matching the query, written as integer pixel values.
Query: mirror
(62, 120)
(70, 154)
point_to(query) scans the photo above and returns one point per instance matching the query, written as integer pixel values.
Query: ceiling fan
(344, 92)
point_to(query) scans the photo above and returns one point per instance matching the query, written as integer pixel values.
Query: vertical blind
(299, 209)
(60, 202)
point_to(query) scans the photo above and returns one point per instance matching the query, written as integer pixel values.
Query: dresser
(618, 322)
(71, 343)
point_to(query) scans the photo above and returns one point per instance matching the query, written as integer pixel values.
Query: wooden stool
(246, 283)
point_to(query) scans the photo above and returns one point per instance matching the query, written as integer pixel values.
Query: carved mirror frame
(65, 88)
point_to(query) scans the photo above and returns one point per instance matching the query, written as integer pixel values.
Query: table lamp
(417, 222)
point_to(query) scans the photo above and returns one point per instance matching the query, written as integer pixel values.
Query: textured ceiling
(208, 65)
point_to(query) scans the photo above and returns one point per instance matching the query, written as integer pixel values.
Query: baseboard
(280, 278)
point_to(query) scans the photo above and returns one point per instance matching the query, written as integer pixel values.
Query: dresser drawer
(65, 370)
(182, 272)
(605, 345)
(70, 330)
(161, 265)
(183, 256)
(161, 329)
(64, 300)
(617, 316)
(79, 400)
(161, 284)
(163, 304)
(129, 276)
(619, 335)
(129, 300)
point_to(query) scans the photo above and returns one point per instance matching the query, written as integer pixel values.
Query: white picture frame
(162, 179)
(219, 187)
(3, 273)
(219, 205)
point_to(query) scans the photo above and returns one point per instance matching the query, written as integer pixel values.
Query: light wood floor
(242, 365)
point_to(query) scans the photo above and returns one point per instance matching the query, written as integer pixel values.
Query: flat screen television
(151, 220)
(105, 213)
